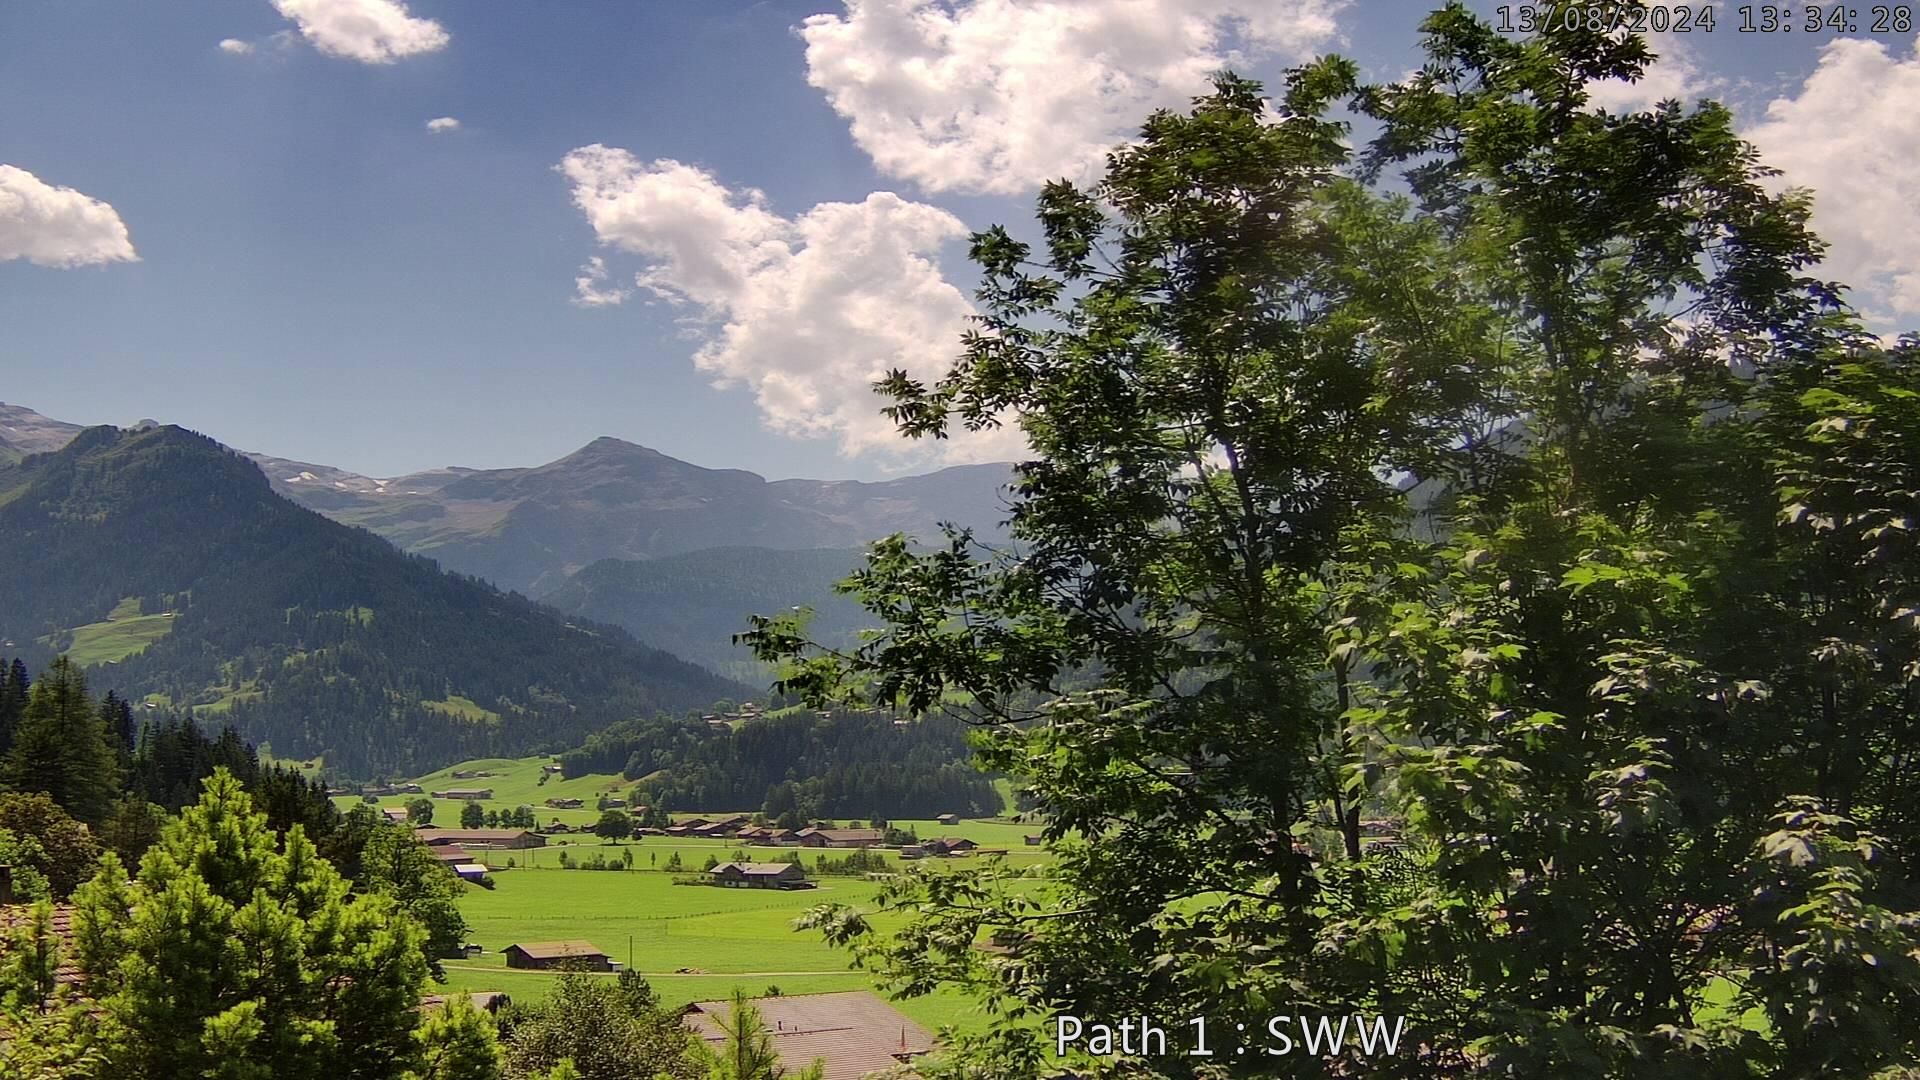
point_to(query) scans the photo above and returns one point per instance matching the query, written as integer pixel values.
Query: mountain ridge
(528, 528)
(309, 634)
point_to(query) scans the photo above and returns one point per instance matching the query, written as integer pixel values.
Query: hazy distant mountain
(168, 564)
(693, 603)
(23, 432)
(527, 529)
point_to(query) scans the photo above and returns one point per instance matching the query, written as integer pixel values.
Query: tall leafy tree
(1561, 516)
(62, 748)
(396, 864)
(1221, 360)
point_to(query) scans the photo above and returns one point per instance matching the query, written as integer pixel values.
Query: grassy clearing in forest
(124, 633)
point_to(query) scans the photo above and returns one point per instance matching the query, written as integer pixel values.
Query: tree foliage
(1555, 514)
(607, 1031)
(227, 957)
(396, 864)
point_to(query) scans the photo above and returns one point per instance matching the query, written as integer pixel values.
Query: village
(700, 903)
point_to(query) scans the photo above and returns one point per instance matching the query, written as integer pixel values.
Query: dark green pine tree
(61, 747)
(13, 701)
(117, 716)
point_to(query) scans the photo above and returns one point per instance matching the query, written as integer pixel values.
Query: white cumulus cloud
(235, 46)
(440, 124)
(1852, 134)
(997, 96)
(57, 226)
(370, 31)
(807, 310)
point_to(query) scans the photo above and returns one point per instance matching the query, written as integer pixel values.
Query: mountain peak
(606, 446)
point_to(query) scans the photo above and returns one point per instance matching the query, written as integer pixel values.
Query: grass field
(729, 937)
(652, 852)
(516, 782)
(124, 633)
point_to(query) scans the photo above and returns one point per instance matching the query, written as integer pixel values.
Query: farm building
(777, 875)
(855, 1033)
(565, 804)
(464, 794)
(948, 819)
(482, 838)
(949, 845)
(840, 838)
(558, 956)
(1033, 841)
(395, 814)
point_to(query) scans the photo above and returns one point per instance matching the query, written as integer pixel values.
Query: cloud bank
(998, 96)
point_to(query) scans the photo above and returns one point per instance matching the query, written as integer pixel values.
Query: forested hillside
(858, 765)
(693, 604)
(308, 635)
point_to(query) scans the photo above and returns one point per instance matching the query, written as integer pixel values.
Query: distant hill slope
(693, 603)
(528, 529)
(23, 432)
(311, 636)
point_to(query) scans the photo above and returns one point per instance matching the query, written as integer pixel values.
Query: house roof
(856, 1032)
(476, 836)
(846, 834)
(555, 950)
(755, 869)
(451, 853)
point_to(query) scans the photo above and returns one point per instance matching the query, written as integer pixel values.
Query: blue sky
(264, 240)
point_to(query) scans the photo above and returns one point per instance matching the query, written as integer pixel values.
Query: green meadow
(124, 632)
(724, 938)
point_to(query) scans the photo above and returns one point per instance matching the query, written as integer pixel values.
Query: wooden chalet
(777, 875)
